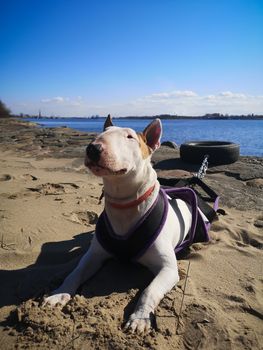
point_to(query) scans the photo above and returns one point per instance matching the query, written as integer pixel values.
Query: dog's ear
(153, 134)
(108, 122)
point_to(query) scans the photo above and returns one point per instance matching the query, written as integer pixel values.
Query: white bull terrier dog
(122, 158)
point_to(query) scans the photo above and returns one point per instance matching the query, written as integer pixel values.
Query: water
(247, 133)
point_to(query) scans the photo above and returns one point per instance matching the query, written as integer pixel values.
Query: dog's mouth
(97, 169)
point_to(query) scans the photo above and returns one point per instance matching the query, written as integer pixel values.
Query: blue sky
(138, 57)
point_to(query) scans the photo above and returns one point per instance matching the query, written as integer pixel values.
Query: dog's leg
(166, 278)
(89, 264)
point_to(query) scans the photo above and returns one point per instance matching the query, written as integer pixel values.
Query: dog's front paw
(138, 323)
(57, 299)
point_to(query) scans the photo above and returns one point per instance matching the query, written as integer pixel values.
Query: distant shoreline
(162, 117)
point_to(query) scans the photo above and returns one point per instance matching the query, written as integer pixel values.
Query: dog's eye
(130, 137)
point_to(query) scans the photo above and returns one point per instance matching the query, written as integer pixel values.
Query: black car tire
(219, 152)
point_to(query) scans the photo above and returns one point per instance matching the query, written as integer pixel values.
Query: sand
(49, 204)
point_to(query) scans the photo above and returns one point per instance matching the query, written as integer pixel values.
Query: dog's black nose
(93, 151)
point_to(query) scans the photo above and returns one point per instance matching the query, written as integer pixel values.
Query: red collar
(134, 203)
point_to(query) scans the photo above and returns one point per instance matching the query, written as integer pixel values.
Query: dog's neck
(127, 189)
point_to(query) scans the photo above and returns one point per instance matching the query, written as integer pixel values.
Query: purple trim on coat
(154, 237)
(206, 227)
(188, 195)
(215, 206)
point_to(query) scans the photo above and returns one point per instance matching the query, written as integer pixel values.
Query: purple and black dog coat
(136, 241)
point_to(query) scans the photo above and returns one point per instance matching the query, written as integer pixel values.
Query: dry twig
(181, 306)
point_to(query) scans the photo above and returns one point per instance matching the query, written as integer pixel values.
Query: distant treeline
(206, 116)
(160, 116)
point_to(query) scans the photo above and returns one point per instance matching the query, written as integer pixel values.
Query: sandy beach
(49, 204)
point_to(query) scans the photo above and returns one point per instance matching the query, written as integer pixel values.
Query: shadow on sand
(55, 261)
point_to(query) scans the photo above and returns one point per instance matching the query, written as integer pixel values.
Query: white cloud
(67, 106)
(190, 103)
(57, 99)
(210, 97)
(170, 95)
(65, 101)
(229, 94)
(180, 102)
(186, 93)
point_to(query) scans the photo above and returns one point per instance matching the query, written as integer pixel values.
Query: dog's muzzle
(93, 151)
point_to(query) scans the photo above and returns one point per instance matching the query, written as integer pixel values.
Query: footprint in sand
(6, 177)
(257, 183)
(83, 217)
(218, 226)
(54, 189)
(29, 177)
(240, 302)
(259, 221)
(235, 298)
(246, 239)
(202, 330)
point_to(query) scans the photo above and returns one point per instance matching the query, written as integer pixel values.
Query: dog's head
(118, 151)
